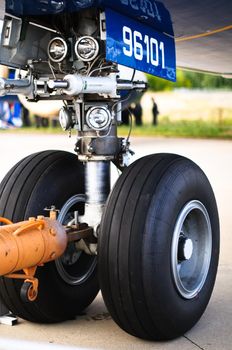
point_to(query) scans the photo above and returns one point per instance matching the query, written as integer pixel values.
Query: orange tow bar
(26, 245)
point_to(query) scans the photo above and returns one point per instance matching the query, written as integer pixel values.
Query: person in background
(137, 111)
(40, 121)
(155, 112)
(125, 116)
(25, 116)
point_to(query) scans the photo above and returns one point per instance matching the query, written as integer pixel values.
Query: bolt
(31, 219)
(40, 217)
(52, 232)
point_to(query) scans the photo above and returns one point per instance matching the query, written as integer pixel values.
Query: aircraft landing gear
(157, 243)
(156, 236)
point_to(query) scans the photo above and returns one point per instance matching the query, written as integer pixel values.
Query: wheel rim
(74, 267)
(191, 249)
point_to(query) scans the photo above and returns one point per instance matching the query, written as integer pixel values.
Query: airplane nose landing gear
(153, 242)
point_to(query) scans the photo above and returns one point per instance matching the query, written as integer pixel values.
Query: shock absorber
(97, 189)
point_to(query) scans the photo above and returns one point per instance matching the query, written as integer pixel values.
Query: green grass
(166, 128)
(34, 130)
(183, 128)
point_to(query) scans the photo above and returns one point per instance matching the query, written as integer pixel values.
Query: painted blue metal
(152, 12)
(136, 45)
(184, 18)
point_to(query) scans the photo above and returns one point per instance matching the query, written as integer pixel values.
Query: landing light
(86, 48)
(57, 49)
(65, 119)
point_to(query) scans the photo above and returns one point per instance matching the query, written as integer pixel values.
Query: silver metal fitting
(98, 118)
(16, 86)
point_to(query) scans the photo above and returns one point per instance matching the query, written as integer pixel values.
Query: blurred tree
(189, 80)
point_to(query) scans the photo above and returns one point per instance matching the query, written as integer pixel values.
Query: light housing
(57, 49)
(65, 119)
(98, 118)
(86, 48)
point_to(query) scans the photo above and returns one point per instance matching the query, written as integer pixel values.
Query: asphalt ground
(96, 329)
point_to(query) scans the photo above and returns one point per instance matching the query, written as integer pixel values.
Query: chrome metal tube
(97, 181)
(15, 86)
(97, 189)
(135, 85)
(57, 84)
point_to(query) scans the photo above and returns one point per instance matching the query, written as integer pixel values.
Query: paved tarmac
(96, 329)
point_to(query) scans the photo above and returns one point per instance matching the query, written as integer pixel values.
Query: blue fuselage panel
(151, 12)
(202, 29)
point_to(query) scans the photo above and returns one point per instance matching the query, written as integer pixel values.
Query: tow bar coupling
(25, 246)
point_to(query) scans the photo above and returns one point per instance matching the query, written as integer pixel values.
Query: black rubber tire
(135, 242)
(38, 181)
(25, 291)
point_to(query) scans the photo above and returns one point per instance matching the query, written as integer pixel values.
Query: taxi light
(86, 48)
(57, 49)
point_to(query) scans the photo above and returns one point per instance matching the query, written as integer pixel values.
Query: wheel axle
(185, 249)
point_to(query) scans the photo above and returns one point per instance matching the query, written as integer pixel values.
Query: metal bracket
(29, 290)
(6, 317)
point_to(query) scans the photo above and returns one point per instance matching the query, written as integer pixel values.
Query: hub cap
(191, 249)
(74, 266)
